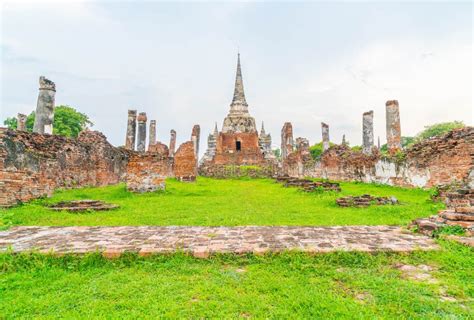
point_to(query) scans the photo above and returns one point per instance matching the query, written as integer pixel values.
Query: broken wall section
(34, 165)
(448, 159)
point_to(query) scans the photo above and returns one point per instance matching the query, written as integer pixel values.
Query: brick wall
(148, 171)
(185, 162)
(439, 161)
(34, 165)
(227, 153)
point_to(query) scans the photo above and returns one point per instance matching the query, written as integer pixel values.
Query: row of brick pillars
(392, 112)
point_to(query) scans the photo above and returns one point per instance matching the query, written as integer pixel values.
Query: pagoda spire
(262, 131)
(239, 104)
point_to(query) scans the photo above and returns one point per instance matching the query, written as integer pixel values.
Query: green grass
(282, 286)
(212, 202)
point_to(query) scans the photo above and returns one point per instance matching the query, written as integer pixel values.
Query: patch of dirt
(421, 272)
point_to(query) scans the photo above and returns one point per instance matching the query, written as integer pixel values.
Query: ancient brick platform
(202, 241)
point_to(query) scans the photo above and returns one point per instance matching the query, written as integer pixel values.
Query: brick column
(152, 139)
(325, 134)
(195, 136)
(286, 140)
(21, 122)
(393, 126)
(131, 130)
(44, 114)
(141, 139)
(367, 132)
(172, 142)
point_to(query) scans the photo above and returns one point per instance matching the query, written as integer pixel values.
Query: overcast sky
(304, 63)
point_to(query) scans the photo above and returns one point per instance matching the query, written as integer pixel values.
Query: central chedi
(239, 142)
(239, 120)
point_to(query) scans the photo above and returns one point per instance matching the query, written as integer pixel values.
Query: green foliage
(227, 202)
(277, 153)
(438, 129)
(405, 141)
(290, 285)
(67, 122)
(11, 123)
(356, 148)
(449, 230)
(316, 150)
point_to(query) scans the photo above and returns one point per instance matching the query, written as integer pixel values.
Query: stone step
(456, 216)
(466, 210)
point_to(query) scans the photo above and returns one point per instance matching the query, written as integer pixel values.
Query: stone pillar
(393, 126)
(195, 139)
(286, 140)
(44, 114)
(378, 142)
(367, 132)
(131, 130)
(325, 133)
(152, 138)
(21, 122)
(141, 139)
(172, 142)
(344, 143)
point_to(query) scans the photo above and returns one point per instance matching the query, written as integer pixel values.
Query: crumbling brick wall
(441, 160)
(34, 165)
(185, 162)
(148, 171)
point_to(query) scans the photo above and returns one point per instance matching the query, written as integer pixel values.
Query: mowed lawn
(282, 286)
(212, 202)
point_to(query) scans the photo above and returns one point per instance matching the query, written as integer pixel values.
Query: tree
(11, 123)
(316, 150)
(438, 129)
(67, 121)
(277, 153)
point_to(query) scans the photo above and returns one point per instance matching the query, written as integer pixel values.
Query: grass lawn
(289, 285)
(212, 202)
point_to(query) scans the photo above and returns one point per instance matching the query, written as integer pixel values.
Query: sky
(306, 62)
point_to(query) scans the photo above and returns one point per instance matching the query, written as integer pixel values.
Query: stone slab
(202, 241)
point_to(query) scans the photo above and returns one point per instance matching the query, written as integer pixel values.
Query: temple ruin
(34, 164)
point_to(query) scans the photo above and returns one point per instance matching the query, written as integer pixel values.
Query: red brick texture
(227, 153)
(147, 172)
(34, 165)
(185, 162)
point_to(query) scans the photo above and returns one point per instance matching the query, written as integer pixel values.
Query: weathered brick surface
(147, 172)
(159, 147)
(203, 241)
(33, 165)
(227, 153)
(448, 159)
(185, 162)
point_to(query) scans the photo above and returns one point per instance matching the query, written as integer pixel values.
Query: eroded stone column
(393, 126)
(21, 122)
(195, 139)
(286, 140)
(152, 138)
(325, 133)
(141, 139)
(172, 142)
(344, 140)
(131, 130)
(44, 114)
(367, 132)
